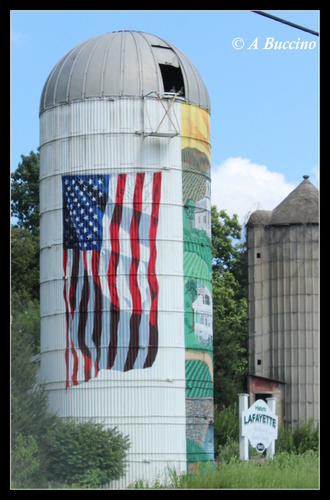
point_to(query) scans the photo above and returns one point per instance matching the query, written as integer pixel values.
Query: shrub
(25, 462)
(85, 454)
(226, 425)
(302, 438)
(228, 451)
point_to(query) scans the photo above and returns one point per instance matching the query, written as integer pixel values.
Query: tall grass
(285, 471)
(294, 466)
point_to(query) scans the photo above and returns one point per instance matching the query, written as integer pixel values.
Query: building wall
(258, 302)
(283, 313)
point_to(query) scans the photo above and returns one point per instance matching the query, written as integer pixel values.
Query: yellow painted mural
(195, 129)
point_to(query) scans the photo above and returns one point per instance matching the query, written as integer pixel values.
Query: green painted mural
(197, 270)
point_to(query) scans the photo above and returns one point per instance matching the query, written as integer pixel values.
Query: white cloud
(240, 186)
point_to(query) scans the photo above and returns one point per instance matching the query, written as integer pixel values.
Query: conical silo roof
(122, 64)
(301, 206)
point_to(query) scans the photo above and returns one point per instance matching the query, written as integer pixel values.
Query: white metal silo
(112, 244)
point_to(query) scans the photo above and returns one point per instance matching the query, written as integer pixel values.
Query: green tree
(229, 279)
(25, 192)
(225, 253)
(30, 418)
(25, 262)
(25, 320)
(25, 234)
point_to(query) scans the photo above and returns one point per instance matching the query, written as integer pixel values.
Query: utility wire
(285, 22)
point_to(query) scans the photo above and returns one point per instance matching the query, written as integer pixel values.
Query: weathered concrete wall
(283, 301)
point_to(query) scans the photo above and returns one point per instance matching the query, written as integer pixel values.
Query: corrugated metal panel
(148, 404)
(90, 137)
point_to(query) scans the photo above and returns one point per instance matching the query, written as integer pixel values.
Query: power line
(285, 22)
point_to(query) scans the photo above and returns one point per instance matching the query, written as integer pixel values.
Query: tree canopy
(25, 262)
(25, 192)
(229, 276)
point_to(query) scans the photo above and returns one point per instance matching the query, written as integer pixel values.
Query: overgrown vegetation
(225, 425)
(294, 466)
(285, 471)
(303, 438)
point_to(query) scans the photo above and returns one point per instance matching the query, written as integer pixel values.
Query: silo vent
(306, 177)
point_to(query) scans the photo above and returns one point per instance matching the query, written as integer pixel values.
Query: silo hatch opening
(164, 122)
(172, 79)
(170, 69)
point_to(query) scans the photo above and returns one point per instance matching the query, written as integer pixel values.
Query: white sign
(259, 425)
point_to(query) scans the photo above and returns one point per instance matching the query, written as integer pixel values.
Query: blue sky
(264, 102)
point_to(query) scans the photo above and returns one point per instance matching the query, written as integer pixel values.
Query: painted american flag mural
(109, 265)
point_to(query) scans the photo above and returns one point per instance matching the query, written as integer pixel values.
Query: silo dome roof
(301, 206)
(259, 218)
(123, 64)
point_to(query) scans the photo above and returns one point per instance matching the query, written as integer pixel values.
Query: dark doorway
(262, 395)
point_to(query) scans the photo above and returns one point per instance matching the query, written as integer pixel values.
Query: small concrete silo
(125, 247)
(283, 304)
